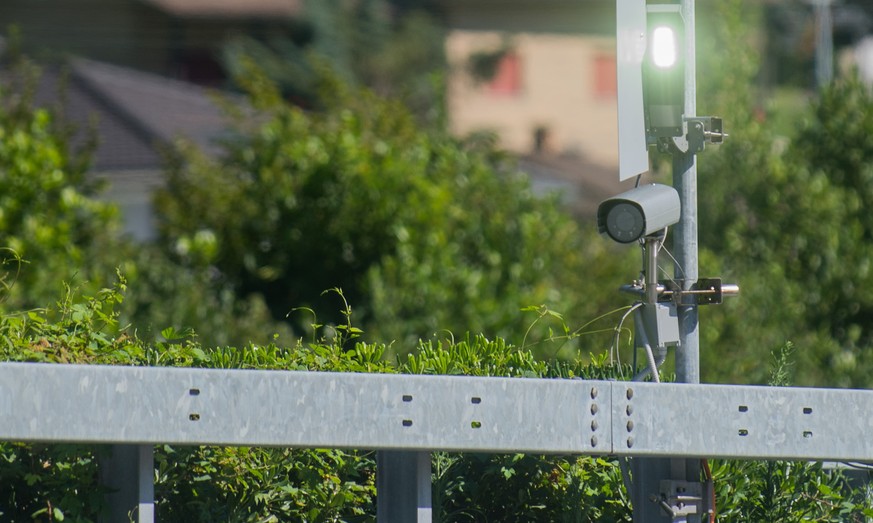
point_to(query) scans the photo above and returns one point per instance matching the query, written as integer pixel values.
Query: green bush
(423, 232)
(56, 232)
(785, 217)
(792, 226)
(58, 482)
(396, 51)
(47, 214)
(192, 299)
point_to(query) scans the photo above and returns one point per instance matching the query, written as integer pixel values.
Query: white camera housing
(639, 212)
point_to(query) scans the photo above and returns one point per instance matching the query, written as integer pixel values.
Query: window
(605, 85)
(507, 75)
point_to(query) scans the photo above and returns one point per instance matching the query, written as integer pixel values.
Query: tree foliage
(50, 225)
(421, 231)
(784, 216)
(367, 43)
(57, 232)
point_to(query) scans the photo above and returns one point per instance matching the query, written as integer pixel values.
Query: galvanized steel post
(649, 473)
(403, 487)
(128, 474)
(685, 244)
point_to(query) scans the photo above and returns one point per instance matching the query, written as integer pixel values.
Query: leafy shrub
(784, 216)
(787, 492)
(192, 299)
(47, 214)
(422, 231)
(50, 482)
(55, 232)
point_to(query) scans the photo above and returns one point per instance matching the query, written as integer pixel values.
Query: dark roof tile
(135, 113)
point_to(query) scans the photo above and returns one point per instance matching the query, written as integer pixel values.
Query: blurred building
(541, 75)
(863, 59)
(135, 69)
(177, 38)
(135, 116)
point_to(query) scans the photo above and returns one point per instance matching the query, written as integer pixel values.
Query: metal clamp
(703, 129)
(680, 499)
(705, 291)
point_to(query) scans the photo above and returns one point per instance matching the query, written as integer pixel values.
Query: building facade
(541, 75)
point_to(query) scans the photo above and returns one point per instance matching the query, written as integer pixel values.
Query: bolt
(594, 409)
(593, 441)
(630, 393)
(594, 425)
(630, 426)
(593, 392)
(629, 410)
(630, 442)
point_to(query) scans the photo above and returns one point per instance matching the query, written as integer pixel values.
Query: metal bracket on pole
(681, 499)
(699, 130)
(703, 130)
(705, 291)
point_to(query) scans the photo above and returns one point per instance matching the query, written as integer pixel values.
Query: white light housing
(664, 51)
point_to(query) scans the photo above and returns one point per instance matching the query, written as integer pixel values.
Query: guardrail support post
(403, 487)
(129, 472)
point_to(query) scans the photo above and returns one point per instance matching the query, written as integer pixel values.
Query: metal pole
(651, 265)
(685, 244)
(128, 475)
(649, 473)
(403, 487)
(824, 44)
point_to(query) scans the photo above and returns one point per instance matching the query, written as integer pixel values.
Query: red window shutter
(507, 78)
(604, 76)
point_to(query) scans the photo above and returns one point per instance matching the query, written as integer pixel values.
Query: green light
(664, 71)
(664, 52)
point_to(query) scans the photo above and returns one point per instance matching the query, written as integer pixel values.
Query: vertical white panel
(633, 156)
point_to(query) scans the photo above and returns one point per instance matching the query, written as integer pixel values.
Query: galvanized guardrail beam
(102, 404)
(153, 405)
(407, 416)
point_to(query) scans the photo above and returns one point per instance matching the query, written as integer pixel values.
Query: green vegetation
(205, 484)
(783, 216)
(421, 231)
(47, 216)
(366, 43)
(56, 234)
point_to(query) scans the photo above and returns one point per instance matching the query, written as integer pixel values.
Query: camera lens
(625, 222)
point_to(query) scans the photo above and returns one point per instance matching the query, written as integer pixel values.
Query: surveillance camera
(639, 212)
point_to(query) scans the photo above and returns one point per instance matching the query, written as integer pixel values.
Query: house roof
(581, 184)
(229, 8)
(135, 113)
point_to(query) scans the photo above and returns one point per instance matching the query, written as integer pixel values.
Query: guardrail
(406, 417)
